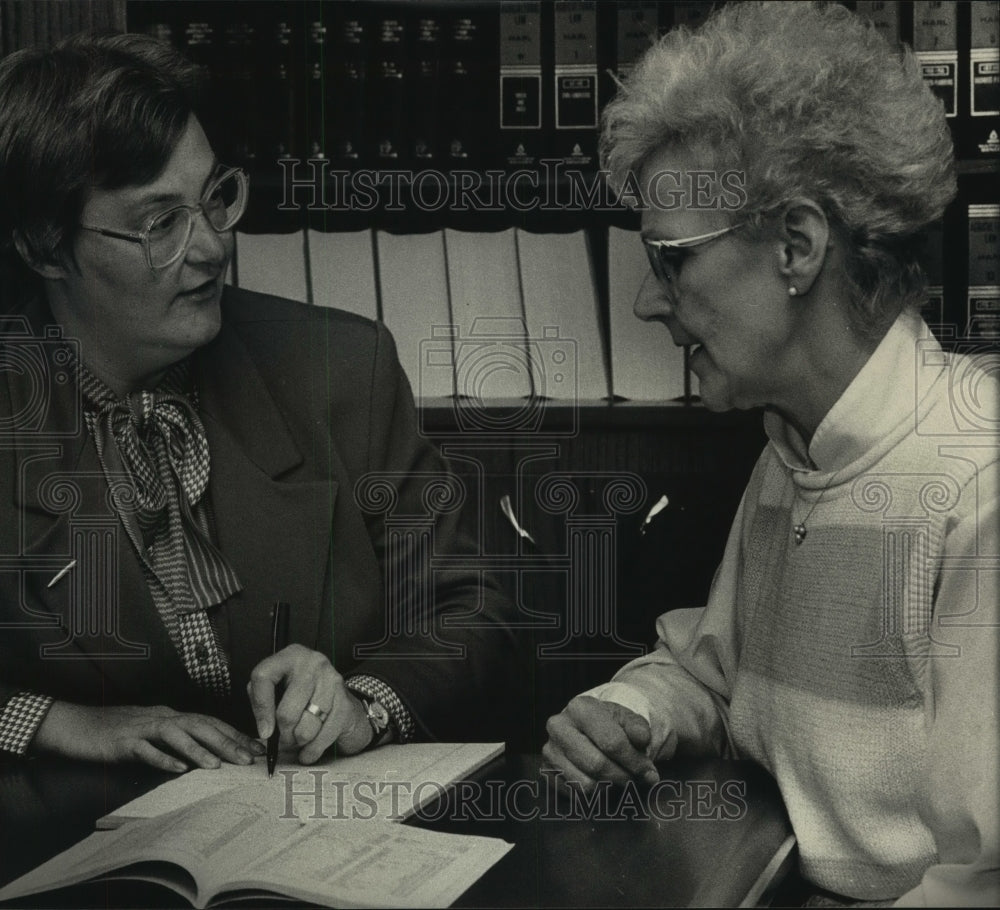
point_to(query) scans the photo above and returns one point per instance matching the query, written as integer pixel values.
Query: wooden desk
(713, 834)
(716, 834)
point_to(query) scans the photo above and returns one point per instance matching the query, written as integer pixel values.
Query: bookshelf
(480, 116)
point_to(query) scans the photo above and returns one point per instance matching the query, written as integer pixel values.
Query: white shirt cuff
(625, 695)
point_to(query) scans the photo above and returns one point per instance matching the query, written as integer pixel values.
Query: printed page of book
(367, 864)
(99, 854)
(560, 305)
(272, 264)
(392, 782)
(486, 305)
(414, 284)
(343, 271)
(646, 365)
(230, 842)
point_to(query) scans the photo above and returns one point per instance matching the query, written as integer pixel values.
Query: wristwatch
(377, 716)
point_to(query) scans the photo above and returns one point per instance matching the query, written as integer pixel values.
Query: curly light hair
(807, 100)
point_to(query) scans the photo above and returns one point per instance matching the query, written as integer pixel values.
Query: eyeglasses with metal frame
(667, 256)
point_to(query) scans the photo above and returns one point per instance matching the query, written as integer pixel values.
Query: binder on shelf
(388, 85)
(636, 30)
(272, 264)
(982, 127)
(414, 289)
(235, 85)
(199, 34)
(561, 310)
(983, 295)
(276, 94)
(521, 134)
(884, 17)
(635, 24)
(424, 139)
(935, 44)
(576, 84)
(933, 309)
(348, 68)
(487, 309)
(645, 363)
(313, 122)
(342, 269)
(468, 121)
(156, 19)
(690, 13)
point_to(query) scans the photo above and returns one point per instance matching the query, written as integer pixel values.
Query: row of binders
(508, 314)
(958, 48)
(470, 84)
(486, 316)
(492, 83)
(25, 24)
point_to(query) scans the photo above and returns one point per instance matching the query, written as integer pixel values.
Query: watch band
(371, 689)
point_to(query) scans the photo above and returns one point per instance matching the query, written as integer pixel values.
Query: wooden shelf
(503, 418)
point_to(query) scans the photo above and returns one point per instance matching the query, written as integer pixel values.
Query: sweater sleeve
(685, 684)
(959, 784)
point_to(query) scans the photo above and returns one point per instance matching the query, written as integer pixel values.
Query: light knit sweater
(860, 667)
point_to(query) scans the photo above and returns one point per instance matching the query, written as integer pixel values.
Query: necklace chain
(799, 528)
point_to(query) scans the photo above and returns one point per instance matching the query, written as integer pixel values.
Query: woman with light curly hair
(786, 160)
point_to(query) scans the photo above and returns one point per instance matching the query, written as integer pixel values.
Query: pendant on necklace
(800, 533)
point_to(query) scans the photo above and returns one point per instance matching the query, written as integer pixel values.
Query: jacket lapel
(63, 512)
(273, 511)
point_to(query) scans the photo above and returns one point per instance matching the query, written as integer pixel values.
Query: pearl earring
(792, 291)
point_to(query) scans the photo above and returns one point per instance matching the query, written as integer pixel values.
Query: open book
(237, 847)
(392, 782)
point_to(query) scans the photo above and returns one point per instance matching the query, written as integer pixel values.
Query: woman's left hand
(316, 709)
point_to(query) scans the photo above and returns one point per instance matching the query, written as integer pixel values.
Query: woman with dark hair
(177, 455)
(850, 640)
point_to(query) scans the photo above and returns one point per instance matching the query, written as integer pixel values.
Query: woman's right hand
(158, 736)
(593, 740)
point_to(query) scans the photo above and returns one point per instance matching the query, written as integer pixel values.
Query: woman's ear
(49, 268)
(805, 237)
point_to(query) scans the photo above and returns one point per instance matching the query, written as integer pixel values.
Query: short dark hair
(92, 111)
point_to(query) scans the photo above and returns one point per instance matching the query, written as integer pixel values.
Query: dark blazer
(303, 407)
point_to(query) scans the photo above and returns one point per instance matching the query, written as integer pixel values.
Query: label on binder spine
(985, 25)
(935, 43)
(637, 30)
(576, 78)
(985, 82)
(884, 17)
(425, 113)
(984, 272)
(933, 262)
(940, 69)
(520, 66)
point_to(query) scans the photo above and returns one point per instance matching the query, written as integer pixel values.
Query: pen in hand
(279, 640)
